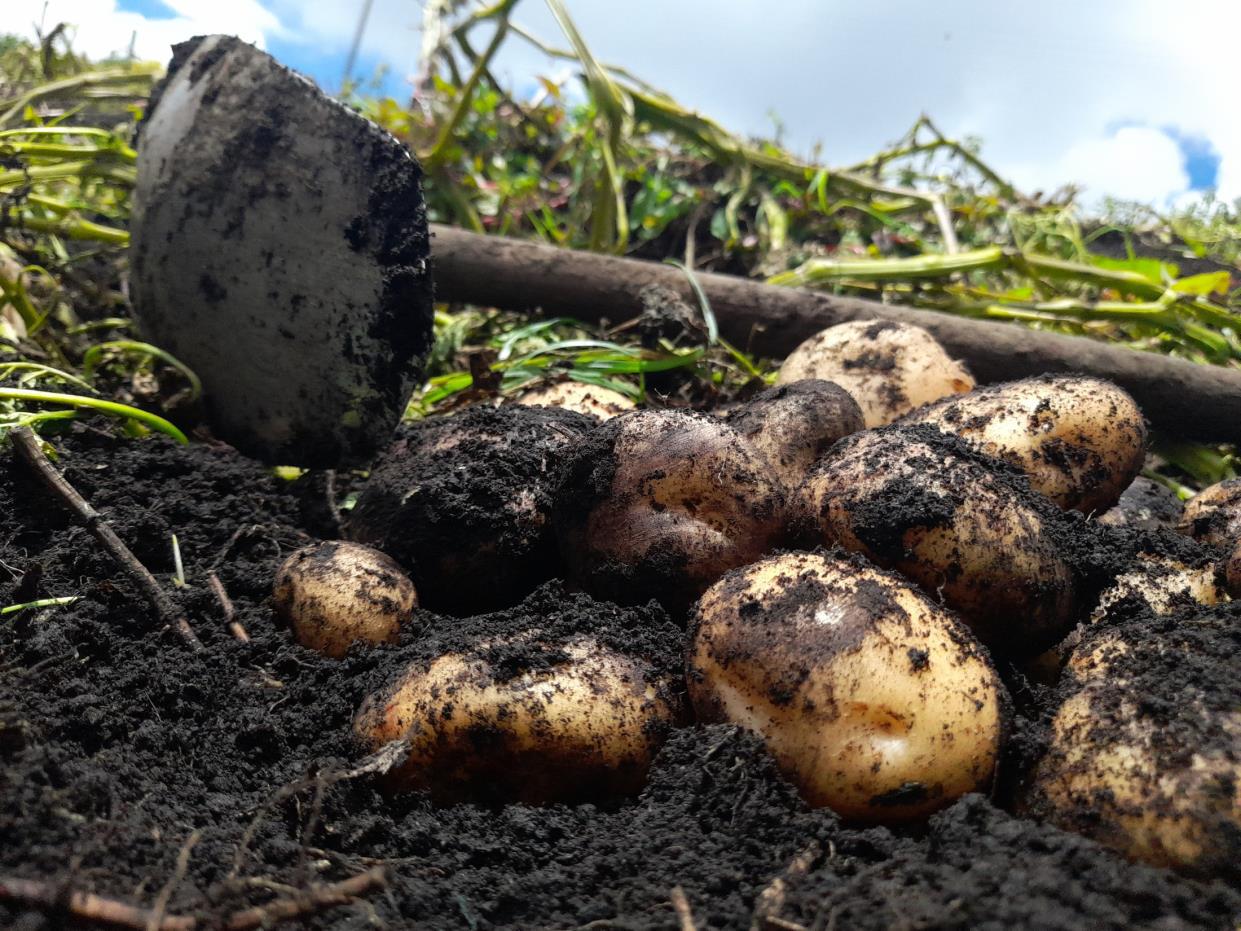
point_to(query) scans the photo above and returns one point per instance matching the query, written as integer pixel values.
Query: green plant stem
(154, 421)
(92, 357)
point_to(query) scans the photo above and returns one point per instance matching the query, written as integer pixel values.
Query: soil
(118, 744)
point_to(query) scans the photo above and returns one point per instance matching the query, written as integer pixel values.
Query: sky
(1135, 99)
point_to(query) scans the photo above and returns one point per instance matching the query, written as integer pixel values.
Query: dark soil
(117, 742)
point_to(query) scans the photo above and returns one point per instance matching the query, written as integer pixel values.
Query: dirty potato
(335, 594)
(793, 425)
(659, 504)
(875, 701)
(1145, 748)
(918, 501)
(1145, 505)
(1213, 516)
(584, 724)
(598, 402)
(1080, 440)
(889, 368)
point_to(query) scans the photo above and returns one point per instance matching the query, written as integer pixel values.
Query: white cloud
(102, 30)
(1133, 163)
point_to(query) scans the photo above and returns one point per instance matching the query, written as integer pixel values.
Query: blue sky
(1132, 98)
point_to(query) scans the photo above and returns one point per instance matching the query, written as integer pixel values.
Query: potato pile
(856, 565)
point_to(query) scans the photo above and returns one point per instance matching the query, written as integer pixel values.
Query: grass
(610, 163)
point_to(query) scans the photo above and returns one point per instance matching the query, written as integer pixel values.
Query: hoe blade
(280, 249)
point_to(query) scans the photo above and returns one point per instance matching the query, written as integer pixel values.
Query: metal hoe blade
(280, 249)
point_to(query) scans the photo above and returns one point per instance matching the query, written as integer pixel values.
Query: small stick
(308, 902)
(771, 900)
(86, 906)
(226, 604)
(680, 905)
(29, 449)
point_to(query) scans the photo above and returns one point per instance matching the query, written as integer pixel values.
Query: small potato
(335, 594)
(914, 500)
(585, 724)
(578, 396)
(1213, 516)
(889, 368)
(875, 701)
(1145, 749)
(1145, 505)
(793, 425)
(1081, 441)
(659, 504)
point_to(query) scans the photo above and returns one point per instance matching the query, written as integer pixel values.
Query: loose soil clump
(119, 746)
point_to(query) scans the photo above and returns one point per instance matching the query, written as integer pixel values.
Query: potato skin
(876, 702)
(601, 403)
(1081, 441)
(917, 501)
(1232, 571)
(1213, 516)
(1145, 505)
(889, 368)
(585, 726)
(659, 504)
(793, 425)
(334, 594)
(1145, 747)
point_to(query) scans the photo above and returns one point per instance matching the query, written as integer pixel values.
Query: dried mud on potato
(915, 500)
(1081, 441)
(876, 702)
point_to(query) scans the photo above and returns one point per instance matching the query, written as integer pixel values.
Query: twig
(226, 605)
(308, 902)
(85, 906)
(160, 908)
(29, 449)
(769, 902)
(680, 905)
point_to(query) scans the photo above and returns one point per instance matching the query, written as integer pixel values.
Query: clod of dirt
(463, 503)
(280, 250)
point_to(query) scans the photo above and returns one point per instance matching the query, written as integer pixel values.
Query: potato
(1081, 441)
(1158, 584)
(584, 724)
(874, 701)
(1145, 748)
(463, 502)
(1145, 505)
(889, 368)
(918, 501)
(1232, 571)
(335, 594)
(1213, 516)
(793, 425)
(601, 403)
(1162, 585)
(659, 504)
